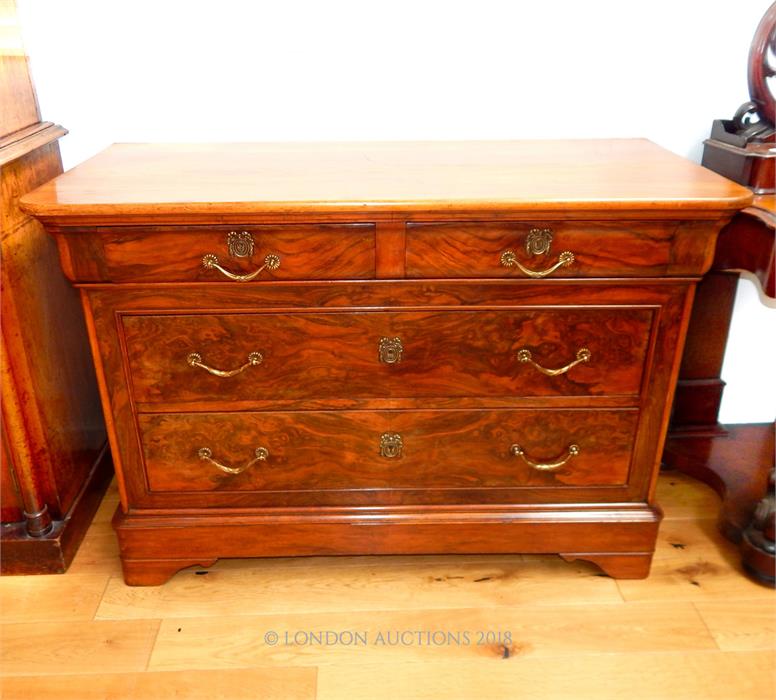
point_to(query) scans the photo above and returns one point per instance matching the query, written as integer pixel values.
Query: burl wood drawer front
(592, 351)
(534, 250)
(195, 253)
(355, 450)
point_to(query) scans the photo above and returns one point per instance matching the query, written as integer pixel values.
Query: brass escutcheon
(239, 244)
(538, 241)
(391, 445)
(389, 350)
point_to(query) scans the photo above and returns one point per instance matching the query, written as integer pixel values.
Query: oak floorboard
(740, 625)
(442, 582)
(648, 676)
(683, 498)
(694, 562)
(87, 647)
(29, 599)
(97, 554)
(427, 636)
(577, 633)
(275, 683)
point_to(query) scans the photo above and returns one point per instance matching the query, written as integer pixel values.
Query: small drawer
(526, 250)
(220, 253)
(583, 351)
(363, 450)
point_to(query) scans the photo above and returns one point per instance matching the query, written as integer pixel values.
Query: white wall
(156, 70)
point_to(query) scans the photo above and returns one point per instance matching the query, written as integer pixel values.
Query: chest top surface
(158, 183)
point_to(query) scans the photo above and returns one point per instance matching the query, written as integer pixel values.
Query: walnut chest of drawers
(386, 348)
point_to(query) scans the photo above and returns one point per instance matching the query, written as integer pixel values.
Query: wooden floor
(697, 629)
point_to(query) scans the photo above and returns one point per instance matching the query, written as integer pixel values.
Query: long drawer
(557, 249)
(220, 253)
(545, 351)
(359, 451)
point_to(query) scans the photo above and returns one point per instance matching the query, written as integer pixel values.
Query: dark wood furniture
(54, 465)
(738, 461)
(386, 348)
(744, 148)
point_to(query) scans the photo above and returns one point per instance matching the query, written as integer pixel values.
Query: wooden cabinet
(341, 349)
(53, 458)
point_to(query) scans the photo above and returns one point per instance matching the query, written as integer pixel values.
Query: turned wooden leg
(155, 572)
(617, 565)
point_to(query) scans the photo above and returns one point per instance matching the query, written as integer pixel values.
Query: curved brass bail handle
(194, 359)
(206, 454)
(517, 451)
(210, 262)
(509, 259)
(583, 355)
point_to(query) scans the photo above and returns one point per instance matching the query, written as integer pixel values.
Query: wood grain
(692, 562)
(26, 599)
(747, 243)
(53, 466)
(62, 647)
(25, 172)
(533, 632)
(45, 345)
(601, 248)
(577, 637)
(647, 676)
(147, 540)
(340, 451)
(98, 553)
(348, 585)
(152, 182)
(11, 506)
(19, 143)
(166, 254)
(19, 106)
(105, 302)
(274, 683)
(22, 111)
(448, 353)
(740, 625)
(390, 249)
(684, 498)
(354, 219)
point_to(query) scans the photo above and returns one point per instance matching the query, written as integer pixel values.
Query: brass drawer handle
(195, 360)
(517, 451)
(583, 355)
(509, 259)
(206, 454)
(210, 262)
